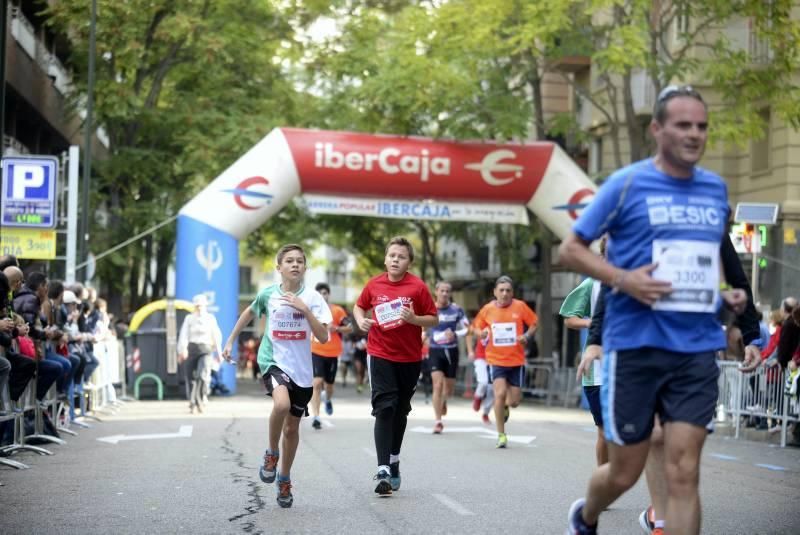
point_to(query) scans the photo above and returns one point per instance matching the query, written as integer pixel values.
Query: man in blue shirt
(666, 219)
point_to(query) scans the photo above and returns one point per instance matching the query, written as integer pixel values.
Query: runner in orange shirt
(326, 356)
(508, 323)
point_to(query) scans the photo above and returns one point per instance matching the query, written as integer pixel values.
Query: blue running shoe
(285, 498)
(328, 407)
(576, 525)
(269, 469)
(394, 477)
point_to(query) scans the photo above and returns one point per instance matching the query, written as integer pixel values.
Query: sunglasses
(672, 91)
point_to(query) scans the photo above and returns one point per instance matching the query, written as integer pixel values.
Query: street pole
(756, 245)
(87, 158)
(3, 24)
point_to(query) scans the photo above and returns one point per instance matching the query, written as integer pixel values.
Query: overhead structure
(384, 176)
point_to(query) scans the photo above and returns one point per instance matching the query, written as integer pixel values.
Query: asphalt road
(204, 478)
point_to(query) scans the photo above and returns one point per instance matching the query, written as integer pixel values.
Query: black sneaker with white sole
(384, 485)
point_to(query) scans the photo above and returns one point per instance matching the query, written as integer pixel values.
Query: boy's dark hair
(399, 240)
(322, 286)
(289, 247)
(54, 289)
(35, 279)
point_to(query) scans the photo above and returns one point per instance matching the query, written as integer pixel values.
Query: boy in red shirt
(401, 307)
(504, 321)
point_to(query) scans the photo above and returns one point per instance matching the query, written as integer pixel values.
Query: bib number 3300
(693, 269)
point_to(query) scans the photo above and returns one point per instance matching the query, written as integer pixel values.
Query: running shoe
(485, 419)
(394, 476)
(316, 424)
(285, 497)
(506, 413)
(502, 440)
(438, 428)
(444, 408)
(647, 520)
(328, 407)
(268, 470)
(384, 486)
(658, 531)
(576, 525)
(360, 388)
(476, 403)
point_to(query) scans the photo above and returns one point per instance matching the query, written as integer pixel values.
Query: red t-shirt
(404, 342)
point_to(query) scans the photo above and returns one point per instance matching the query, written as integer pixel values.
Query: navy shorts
(445, 360)
(593, 397)
(514, 375)
(639, 383)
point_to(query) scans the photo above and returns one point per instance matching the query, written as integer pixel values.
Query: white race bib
(388, 314)
(504, 334)
(693, 269)
(440, 337)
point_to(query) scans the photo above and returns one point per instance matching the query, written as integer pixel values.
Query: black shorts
(360, 355)
(392, 383)
(444, 360)
(325, 367)
(298, 396)
(593, 397)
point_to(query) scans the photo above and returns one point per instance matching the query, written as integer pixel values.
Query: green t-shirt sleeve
(579, 301)
(259, 304)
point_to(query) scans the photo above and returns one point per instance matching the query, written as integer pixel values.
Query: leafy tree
(183, 88)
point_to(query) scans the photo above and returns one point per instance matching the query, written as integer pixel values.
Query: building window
(483, 258)
(596, 157)
(760, 148)
(246, 280)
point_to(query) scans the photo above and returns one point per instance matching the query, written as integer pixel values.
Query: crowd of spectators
(48, 331)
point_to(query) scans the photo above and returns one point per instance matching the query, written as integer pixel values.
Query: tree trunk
(635, 133)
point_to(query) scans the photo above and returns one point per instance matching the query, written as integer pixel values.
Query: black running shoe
(384, 486)
(394, 477)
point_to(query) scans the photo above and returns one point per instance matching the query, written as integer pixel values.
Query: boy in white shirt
(294, 313)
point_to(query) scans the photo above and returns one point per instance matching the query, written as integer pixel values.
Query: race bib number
(504, 334)
(288, 335)
(388, 314)
(693, 269)
(440, 337)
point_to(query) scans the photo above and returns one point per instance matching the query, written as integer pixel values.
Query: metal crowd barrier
(758, 394)
(101, 396)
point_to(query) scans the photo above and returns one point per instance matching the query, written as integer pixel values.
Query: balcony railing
(13, 147)
(25, 34)
(643, 92)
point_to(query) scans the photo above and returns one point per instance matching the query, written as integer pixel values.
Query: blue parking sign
(29, 191)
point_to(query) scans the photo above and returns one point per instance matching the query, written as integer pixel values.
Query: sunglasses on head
(676, 91)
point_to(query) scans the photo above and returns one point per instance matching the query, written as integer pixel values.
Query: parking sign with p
(29, 192)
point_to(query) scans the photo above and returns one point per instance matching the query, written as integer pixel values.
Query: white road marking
(772, 467)
(724, 457)
(453, 505)
(185, 431)
(327, 423)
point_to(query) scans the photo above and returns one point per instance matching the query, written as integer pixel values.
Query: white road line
(326, 423)
(772, 467)
(724, 457)
(453, 505)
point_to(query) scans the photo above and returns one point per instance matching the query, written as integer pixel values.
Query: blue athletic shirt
(639, 204)
(450, 317)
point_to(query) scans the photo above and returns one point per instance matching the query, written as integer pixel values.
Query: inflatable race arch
(362, 174)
